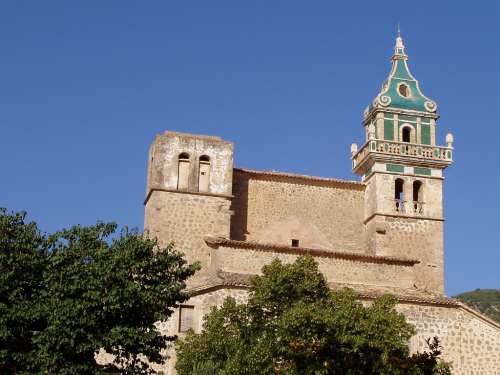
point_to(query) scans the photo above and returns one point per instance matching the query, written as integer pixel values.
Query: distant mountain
(486, 301)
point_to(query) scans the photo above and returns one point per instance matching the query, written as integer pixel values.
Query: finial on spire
(400, 48)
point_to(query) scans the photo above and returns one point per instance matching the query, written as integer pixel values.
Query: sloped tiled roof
(363, 291)
(321, 252)
(403, 294)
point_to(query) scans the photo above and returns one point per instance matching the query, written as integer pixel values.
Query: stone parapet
(411, 154)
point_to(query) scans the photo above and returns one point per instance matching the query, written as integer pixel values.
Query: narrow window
(406, 135)
(204, 177)
(186, 318)
(183, 173)
(398, 194)
(417, 191)
(295, 243)
(417, 197)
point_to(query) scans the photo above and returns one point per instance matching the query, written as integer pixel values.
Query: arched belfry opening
(406, 134)
(204, 174)
(183, 172)
(418, 197)
(399, 194)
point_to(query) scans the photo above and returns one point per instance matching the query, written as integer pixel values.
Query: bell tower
(403, 169)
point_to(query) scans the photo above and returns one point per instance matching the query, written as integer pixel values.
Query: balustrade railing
(418, 207)
(414, 208)
(400, 205)
(403, 149)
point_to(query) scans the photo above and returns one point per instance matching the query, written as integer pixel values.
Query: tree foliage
(293, 324)
(66, 296)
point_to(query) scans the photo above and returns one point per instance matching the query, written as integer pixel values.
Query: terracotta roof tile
(291, 176)
(363, 291)
(320, 252)
(403, 294)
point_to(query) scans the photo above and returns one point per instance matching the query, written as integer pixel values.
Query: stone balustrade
(418, 207)
(403, 149)
(400, 205)
(414, 207)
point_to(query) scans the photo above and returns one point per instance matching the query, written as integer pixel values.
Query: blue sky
(86, 86)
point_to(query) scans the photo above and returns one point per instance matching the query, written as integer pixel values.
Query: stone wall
(283, 215)
(251, 260)
(202, 304)
(186, 219)
(470, 340)
(380, 195)
(407, 234)
(334, 210)
(164, 154)
(413, 239)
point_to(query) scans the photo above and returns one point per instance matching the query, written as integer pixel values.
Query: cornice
(403, 216)
(402, 112)
(185, 192)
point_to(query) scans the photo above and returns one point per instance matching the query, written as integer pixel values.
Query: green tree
(64, 297)
(23, 260)
(294, 324)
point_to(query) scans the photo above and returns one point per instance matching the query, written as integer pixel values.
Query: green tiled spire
(401, 90)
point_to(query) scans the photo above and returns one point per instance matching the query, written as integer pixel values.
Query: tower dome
(401, 89)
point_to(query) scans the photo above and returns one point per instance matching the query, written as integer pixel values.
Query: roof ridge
(300, 176)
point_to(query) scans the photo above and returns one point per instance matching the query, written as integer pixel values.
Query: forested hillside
(487, 301)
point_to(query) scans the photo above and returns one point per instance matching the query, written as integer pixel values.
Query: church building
(380, 235)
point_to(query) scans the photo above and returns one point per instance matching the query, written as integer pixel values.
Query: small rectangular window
(186, 318)
(295, 243)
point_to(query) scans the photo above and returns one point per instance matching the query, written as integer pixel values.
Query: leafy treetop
(64, 297)
(293, 324)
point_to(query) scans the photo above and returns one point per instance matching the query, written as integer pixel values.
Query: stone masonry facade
(383, 234)
(257, 217)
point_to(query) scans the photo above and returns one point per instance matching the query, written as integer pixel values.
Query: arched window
(183, 173)
(204, 177)
(406, 135)
(418, 197)
(399, 194)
